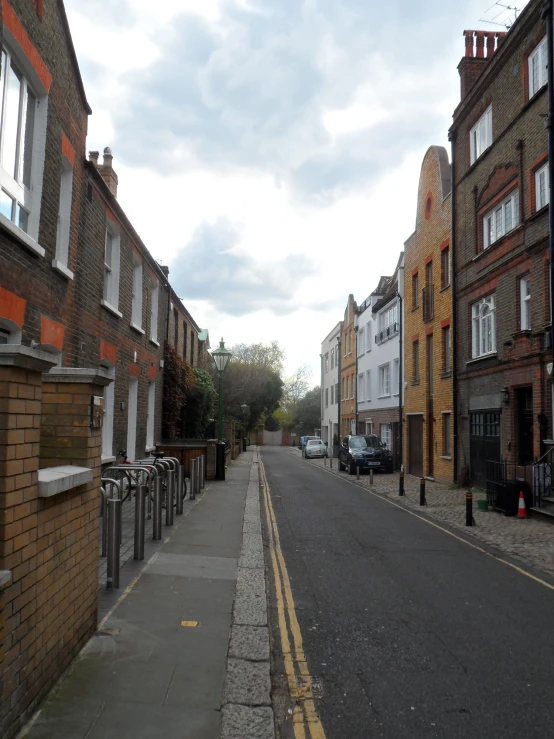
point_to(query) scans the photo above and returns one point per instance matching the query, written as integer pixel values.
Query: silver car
(315, 448)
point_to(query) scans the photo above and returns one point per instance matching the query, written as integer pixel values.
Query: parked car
(315, 448)
(303, 440)
(367, 452)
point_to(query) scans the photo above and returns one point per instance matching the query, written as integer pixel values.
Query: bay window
(501, 219)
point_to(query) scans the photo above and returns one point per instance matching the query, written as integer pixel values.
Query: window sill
(62, 269)
(107, 460)
(153, 341)
(137, 328)
(109, 307)
(21, 236)
(490, 355)
(55, 480)
(381, 397)
(487, 249)
(446, 456)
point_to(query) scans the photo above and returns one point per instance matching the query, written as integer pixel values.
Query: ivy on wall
(179, 380)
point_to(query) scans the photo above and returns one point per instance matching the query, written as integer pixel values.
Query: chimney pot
(469, 43)
(93, 157)
(480, 43)
(107, 171)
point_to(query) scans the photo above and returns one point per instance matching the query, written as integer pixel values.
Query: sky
(268, 151)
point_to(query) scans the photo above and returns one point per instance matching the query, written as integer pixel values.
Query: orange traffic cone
(521, 509)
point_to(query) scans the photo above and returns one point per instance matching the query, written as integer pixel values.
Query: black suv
(367, 452)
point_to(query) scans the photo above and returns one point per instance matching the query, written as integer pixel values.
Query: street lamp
(244, 408)
(221, 357)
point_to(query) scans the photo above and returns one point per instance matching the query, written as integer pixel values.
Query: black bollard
(469, 508)
(401, 483)
(422, 500)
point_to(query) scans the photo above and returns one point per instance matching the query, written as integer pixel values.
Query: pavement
(408, 631)
(184, 651)
(529, 541)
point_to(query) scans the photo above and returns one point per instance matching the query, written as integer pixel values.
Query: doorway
(415, 445)
(524, 400)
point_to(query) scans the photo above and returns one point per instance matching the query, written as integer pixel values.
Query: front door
(524, 397)
(484, 444)
(415, 445)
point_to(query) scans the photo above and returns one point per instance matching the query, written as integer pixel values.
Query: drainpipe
(400, 384)
(356, 382)
(548, 15)
(340, 380)
(454, 312)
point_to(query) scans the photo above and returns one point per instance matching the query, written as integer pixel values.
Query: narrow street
(407, 631)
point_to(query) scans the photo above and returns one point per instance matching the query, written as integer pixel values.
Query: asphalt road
(407, 631)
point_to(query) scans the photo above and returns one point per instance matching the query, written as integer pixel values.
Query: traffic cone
(521, 509)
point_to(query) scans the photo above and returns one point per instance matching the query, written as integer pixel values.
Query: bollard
(192, 477)
(169, 497)
(357, 471)
(140, 497)
(371, 477)
(469, 508)
(179, 490)
(422, 500)
(114, 519)
(197, 476)
(325, 461)
(202, 472)
(331, 463)
(157, 512)
(150, 496)
(401, 482)
(104, 523)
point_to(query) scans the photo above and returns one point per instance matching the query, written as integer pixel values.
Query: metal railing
(428, 299)
(387, 333)
(542, 478)
(158, 480)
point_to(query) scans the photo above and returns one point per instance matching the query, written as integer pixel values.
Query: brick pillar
(49, 531)
(21, 637)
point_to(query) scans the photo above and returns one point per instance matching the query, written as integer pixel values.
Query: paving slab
(146, 673)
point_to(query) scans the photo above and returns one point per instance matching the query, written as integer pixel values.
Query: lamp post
(221, 357)
(244, 408)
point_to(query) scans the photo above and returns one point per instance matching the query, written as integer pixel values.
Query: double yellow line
(305, 716)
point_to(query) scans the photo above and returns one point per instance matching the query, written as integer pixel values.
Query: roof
(390, 289)
(73, 56)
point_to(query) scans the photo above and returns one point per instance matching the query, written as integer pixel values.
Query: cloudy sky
(269, 151)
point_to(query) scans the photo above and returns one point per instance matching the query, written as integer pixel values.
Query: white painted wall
(330, 378)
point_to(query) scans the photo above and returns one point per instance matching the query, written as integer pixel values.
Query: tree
(269, 356)
(179, 379)
(200, 405)
(258, 387)
(307, 415)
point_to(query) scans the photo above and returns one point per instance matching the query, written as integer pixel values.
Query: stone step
(546, 513)
(547, 500)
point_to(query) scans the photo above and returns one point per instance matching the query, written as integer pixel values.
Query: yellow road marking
(189, 624)
(446, 531)
(300, 686)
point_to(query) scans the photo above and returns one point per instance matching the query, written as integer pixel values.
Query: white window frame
(542, 188)
(25, 196)
(136, 294)
(525, 303)
(151, 415)
(368, 386)
(333, 358)
(385, 434)
(384, 380)
(111, 271)
(132, 419)
(351, 387)
(389, 317)
(361, 394)
(333, 394)
(480, 136)
(107, 424)
(61, 262)
(154, 304)
(368, 336)
(501, 219)
(483, 327)
(361, 342)
(327, 397)
(538, 62)
(396, 376)
(326, 362)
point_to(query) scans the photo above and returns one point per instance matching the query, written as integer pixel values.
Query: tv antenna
(506, 10)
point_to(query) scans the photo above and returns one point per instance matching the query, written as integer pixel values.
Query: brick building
(378, 361)
(348, 370)
(427, 326)
(83, 321)
(500, 247)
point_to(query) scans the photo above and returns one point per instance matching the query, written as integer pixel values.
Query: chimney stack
(93, 157)
(107, 172)
(479, 48)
